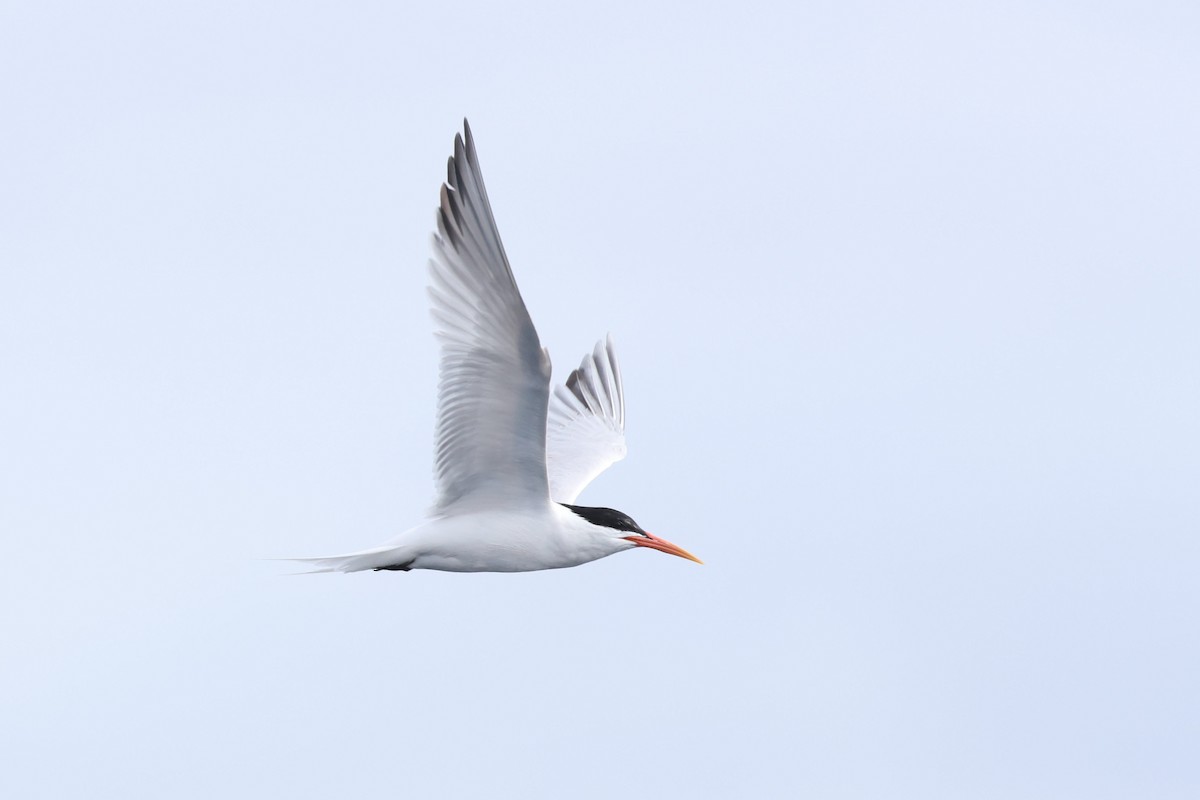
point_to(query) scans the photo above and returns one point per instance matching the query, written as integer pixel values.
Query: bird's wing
(494, 376)
(585, 434)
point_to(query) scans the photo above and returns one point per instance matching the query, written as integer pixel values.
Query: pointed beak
(662, 545)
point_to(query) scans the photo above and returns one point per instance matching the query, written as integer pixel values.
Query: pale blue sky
(908, 303)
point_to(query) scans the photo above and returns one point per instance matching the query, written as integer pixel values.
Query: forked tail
(377, 558)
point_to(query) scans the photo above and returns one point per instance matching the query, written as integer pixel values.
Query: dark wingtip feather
(470, 139)
(460, 149)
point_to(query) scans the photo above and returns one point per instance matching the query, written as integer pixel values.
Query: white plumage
(510, 458)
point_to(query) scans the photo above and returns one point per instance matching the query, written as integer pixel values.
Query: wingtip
(468, 140)
(460, 149)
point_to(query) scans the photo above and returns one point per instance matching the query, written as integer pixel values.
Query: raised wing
(494, 376)
(586, 430)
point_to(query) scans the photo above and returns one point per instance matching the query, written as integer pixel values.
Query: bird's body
(510, 457)
(497, 540)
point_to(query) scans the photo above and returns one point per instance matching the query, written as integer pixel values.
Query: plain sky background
(908, 302)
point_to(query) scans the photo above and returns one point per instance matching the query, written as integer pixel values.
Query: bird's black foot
(403, 566)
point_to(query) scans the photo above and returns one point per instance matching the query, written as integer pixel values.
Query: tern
(511, 457)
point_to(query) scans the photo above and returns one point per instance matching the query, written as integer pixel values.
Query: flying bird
(511, 456)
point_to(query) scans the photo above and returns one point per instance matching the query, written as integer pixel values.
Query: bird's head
(621, 527)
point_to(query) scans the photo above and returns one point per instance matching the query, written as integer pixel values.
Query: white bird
(511, 458)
